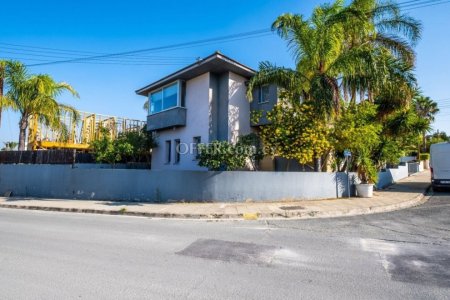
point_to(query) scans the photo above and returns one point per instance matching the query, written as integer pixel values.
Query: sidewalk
(406, 193)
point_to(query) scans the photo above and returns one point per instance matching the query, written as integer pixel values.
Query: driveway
(397, 255)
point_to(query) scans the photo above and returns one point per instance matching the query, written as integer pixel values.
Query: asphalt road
(398, 255)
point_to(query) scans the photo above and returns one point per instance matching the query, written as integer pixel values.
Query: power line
(423, 6)
(410, 4)
(102, 62)
(75, 52)
(135, 59)
(248, 34)
(415, 3)
(165, 60)
(136, 56)
(115, 57)
(35, 49)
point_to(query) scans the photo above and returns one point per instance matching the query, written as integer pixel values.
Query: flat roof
(216, 62)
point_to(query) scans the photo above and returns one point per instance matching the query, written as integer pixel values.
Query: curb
(417, 200)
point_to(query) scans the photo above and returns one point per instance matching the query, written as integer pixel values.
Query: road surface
(398, 255)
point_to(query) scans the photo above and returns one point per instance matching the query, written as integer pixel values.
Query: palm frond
(271, 74)
(146, 105)
(397, 46)
(407, 26)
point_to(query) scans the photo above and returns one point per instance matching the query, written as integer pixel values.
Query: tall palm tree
(427, 110)
(383, 38)
(34, 96)
(315, 44)
(342, 51)
(2, 80)
(345, 51)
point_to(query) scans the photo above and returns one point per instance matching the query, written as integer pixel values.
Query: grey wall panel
(61, 181)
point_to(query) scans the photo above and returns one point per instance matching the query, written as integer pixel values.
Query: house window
(168, 151)
(264, 93)
(165, 98)
(177, 152)
(196, 140)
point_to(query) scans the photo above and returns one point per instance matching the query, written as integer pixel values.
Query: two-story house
(200, 103)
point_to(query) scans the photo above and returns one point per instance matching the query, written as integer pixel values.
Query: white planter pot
(364, 190)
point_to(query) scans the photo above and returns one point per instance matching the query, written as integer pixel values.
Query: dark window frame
(177, 156)
(261, 99)
(196, 140)
(168, 153)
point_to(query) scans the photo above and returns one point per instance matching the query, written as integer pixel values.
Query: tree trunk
(23, 125)
(424, 139)
(2, 71)
(317, 164)
(325, 162)
(345, 92)
(353, 96)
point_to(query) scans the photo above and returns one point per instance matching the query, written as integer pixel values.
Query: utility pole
(347, 155)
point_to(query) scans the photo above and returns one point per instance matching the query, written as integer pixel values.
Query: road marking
(250, 216)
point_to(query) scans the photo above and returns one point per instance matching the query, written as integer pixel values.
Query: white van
(440, 165)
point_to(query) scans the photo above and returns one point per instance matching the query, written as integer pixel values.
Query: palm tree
(10, 146)
(427, 110)
(315, 44)
(146, 105)
(383, 38)
(352, 51)
(342, 51)
(34, 96)
(5, 72)
(397, 90)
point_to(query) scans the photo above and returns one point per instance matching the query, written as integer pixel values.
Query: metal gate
(413, 167)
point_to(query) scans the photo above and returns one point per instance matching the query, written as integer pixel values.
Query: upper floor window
(165, 98)
(264, 94)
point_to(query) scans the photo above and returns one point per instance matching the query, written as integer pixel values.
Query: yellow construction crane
(79, 134)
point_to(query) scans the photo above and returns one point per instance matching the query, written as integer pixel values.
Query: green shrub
(222, 155)
(424, 156)
(131, 146)
(367, 172)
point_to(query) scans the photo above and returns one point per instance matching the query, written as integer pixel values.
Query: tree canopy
(353, 72)
(35, 96)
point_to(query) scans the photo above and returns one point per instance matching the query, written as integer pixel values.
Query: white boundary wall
(63, 181)
(392, 175)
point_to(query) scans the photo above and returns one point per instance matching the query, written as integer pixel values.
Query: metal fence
(45, 157)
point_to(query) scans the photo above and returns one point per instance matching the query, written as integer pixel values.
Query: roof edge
(203, 61)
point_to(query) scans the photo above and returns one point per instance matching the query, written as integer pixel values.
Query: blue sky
(108, 27)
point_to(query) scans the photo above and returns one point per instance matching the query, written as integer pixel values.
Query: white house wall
(197, 124)
(238, 108)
